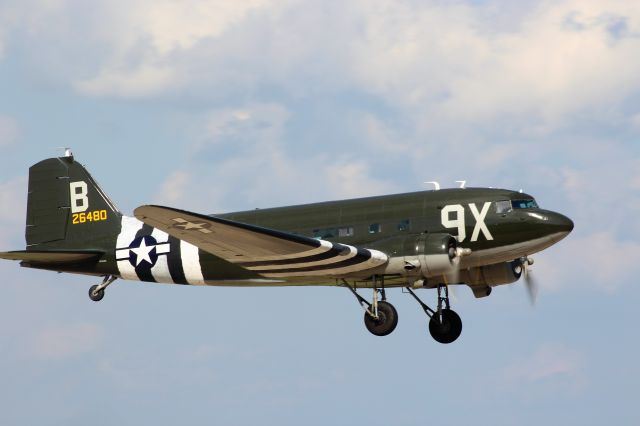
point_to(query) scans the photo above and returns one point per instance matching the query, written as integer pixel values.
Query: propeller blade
(531, 284)
(454, 275)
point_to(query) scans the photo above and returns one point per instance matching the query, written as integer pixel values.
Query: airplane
(479, 237)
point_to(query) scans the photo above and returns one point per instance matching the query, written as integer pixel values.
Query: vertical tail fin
(66, 209)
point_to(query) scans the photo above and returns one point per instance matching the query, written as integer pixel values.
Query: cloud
(171, 25)
(253, 124)
(244, 158)
(13, 195)
(634, 120)
(445, 57)
(528, 67)
(9, 130)
(350, 178)
(65, 341)
(141, 82)
(174, 187)
(146, 57)
(550, 363)
(600, 260)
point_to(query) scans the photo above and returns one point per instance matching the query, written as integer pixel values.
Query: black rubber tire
(96, 297)
(386, 322)
(448, 330)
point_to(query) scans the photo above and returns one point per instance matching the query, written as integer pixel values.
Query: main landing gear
(445, 324)
(381, 318)
(96, 292)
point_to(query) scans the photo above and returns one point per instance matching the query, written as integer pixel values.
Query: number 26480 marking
(95, 216)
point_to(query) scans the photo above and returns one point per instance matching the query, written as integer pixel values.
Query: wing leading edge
(271, 253)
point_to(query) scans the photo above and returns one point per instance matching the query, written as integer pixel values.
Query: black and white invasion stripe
(329, 259)
(176, 261)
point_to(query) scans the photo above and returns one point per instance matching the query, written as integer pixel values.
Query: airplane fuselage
(482, 220)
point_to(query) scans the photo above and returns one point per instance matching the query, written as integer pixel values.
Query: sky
(215, 106)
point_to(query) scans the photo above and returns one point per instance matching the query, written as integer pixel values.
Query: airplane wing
(268, 252)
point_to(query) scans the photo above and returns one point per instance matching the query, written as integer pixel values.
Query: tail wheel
(445, 328)
(385, 323)
(96, 294)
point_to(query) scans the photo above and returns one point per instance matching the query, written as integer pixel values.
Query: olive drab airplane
(479, 237)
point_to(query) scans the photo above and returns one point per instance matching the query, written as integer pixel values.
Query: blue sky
(215, 106)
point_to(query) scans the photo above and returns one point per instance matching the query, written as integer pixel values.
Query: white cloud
(174, 187)
(141, 82)
(13, 195)
(63, 342)
(441, 56)
(350, 178)
(550, 362)
(237, 155)
(254, 123)
(244, 160)
(9, 130)
(439, 62)
(142, 59)
(382, 136)
(599, 260)
(170, 25)
(634, 120)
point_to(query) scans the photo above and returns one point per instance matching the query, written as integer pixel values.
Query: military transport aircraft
(480, 237)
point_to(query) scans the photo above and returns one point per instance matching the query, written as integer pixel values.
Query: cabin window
(503, 207)
(524, 204)
(404, 225)
(375, 228)
(347, 231)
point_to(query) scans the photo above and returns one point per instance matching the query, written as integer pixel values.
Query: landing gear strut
(445, 324)
(380, 317)
(96, 292)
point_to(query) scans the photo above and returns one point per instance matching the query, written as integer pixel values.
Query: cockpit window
(524, 204)
(503, 207)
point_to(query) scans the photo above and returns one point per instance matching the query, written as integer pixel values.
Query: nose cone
(561, 222)
(542, 229)
(557, 224)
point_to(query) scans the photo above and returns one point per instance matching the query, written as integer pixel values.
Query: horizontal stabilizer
(59, 257)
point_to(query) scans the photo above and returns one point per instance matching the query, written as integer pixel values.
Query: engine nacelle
(420, 256)
(492, 275)
(435, 253)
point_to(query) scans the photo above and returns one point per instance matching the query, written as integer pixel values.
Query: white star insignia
(187, 226)
(143, 252)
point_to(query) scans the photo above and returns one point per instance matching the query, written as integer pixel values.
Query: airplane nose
(561, 222)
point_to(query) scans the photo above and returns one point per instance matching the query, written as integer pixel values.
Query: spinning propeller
(455, 255)
(523, 267)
